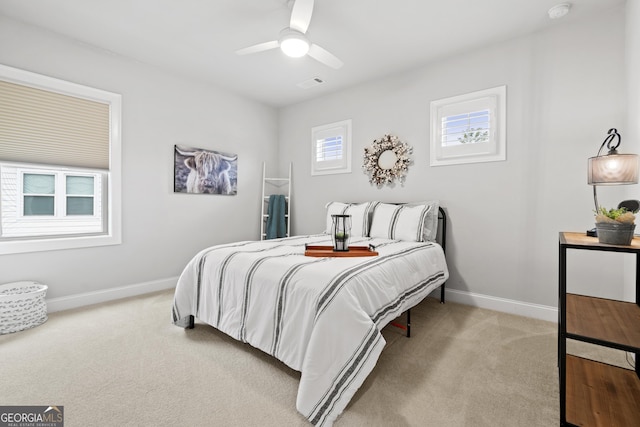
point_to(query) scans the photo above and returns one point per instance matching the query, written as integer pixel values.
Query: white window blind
(466, 128)
(44, 127)
(329, 148)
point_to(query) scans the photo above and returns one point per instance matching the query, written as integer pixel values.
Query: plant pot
(615, 233)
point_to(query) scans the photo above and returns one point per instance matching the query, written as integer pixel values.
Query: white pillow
(430, 233)
(360, 216)
(400, 222)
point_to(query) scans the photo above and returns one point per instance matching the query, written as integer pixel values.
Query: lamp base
(592, 233)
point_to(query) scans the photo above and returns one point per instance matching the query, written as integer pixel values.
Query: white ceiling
(374, 38)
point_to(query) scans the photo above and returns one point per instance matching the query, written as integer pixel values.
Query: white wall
(632, 141)
(161, 230)
(565, 89)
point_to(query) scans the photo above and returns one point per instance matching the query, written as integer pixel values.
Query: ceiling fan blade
(258, 47)
(324, 56)
(301, 15)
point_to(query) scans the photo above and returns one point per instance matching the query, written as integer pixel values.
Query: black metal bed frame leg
(192, 322)
(442, 289)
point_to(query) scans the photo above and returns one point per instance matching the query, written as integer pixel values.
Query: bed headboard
(441, 233)
(442, 229)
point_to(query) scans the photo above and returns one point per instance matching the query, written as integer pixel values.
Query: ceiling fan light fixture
(293, 43)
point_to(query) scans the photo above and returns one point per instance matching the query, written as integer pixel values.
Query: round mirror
(387, 159)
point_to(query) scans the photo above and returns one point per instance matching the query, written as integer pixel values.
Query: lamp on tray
(340, 232)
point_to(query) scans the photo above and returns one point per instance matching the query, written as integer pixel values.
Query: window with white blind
(59, 164)
(331, 148)
(469, 128)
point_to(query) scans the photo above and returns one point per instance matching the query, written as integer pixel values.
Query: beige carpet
(124, 364)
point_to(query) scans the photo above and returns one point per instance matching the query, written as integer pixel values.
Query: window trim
(343, 128)
(112, 198)
(493, 99)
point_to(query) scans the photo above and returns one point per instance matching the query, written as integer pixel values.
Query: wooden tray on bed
(327, 251)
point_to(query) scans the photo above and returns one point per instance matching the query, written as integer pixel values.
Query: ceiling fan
(293, 40)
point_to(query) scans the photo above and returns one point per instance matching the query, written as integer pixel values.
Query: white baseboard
(88, 298)
(536, 311)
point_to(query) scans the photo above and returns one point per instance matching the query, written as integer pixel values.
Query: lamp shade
(613, 169)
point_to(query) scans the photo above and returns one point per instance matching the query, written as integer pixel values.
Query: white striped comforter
(320, 316)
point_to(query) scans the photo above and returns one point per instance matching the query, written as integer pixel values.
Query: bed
(321, 316)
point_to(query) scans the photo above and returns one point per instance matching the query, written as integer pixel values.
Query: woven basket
(22, 306)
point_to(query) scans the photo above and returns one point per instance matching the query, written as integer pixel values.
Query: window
(469, 128)
(45, 202)
(38, 194)
(331, 148)
(80, 194)
(59, 164)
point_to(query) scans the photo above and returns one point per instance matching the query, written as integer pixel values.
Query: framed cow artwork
(204, 171)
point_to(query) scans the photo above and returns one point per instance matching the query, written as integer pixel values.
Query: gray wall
(565, 89)
(161, 230)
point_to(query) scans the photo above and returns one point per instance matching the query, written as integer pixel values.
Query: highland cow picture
(204, 171)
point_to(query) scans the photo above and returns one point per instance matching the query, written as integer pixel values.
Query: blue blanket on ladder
(276, 223)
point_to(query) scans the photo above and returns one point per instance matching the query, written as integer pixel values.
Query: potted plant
(615, 226)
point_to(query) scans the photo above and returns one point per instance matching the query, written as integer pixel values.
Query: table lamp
(612, 168)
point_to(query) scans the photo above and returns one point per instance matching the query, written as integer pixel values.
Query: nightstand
(594, 393)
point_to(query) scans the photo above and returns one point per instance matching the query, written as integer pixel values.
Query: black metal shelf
(604, 322)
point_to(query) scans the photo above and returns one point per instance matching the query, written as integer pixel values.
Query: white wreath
(380, 176)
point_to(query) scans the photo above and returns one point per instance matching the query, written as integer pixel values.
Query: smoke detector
(559, 10)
